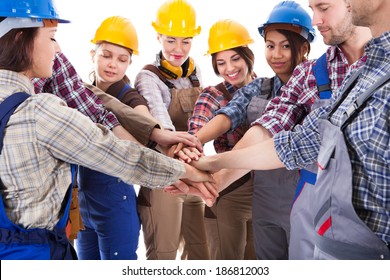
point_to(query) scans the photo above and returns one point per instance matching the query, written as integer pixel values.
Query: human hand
(185, 153)
(168, 138)
(207, 191)
(207, 163)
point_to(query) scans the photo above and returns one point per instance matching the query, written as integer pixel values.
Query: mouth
(278, 64)
(109, 73)
(233, 75)
(177, 57)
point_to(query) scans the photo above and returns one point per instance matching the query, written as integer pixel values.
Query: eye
(287, 46)
(220, 63)
(53, 40)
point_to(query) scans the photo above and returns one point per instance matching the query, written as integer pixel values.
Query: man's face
(333, 20)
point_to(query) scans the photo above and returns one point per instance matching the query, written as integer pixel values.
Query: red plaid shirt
(300, 92)
(67, 84)
(210, 101)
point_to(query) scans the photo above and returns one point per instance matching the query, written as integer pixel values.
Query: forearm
(214, 128)
(261, 156)
(256, 134)
(122, 133)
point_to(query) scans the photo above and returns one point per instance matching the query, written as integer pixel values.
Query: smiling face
(278, 54)
(232, 68)
(110, 64)
(175, 50)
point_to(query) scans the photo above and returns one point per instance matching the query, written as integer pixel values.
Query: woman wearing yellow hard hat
(171, 85)
(107, 204)
(229, 221)
(287, 34)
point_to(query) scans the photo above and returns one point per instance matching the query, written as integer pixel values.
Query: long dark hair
(296, 42)
(16, 49)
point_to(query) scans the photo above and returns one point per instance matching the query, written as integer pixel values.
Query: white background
(86, 16)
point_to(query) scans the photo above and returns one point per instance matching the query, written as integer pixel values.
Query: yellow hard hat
(176, 18)
(117, 30)
(227, 34)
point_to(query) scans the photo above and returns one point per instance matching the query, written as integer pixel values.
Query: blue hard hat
(43, 9)
(290, 12)
(26, 14)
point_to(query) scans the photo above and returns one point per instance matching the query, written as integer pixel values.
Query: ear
(92, 53)
(305, 51)
(159, 37)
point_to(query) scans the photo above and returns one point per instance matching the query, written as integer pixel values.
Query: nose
(317, 19)
(277, 53)
(57, 47)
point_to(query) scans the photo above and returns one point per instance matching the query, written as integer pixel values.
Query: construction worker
(287, 34)
(107, 204)
(346, 53)
(41, 137)
(229, 221)
(171, 85)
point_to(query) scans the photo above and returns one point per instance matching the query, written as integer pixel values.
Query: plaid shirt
(367, 139)
(300, 92)
(67, 85)
(236, 109)
(209, 101)
(44, 135)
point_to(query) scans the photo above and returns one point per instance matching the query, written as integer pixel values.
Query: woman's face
(278, 54)
(175, 50)
(110, 64)
(43, 54)
(232, 68)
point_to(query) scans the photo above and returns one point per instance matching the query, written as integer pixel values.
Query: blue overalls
(301, 236)
(109, 213)
(27, 244)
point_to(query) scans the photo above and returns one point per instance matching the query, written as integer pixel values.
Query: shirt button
(119, 180)
(382, 257)
(124, 197)
(116, 253)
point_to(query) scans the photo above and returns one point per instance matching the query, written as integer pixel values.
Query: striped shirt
(67, 84)
(367, 138)
(44, 135)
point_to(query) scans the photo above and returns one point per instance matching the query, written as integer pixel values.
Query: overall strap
(267, 87)
(124, 89)
(361, 101)
(7, 107)
(221, 87)
(321, 74)
(154, 69)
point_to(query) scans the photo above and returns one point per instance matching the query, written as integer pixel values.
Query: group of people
(301, 170)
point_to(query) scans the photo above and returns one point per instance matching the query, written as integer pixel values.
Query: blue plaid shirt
(236, 109)
(367, 138)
